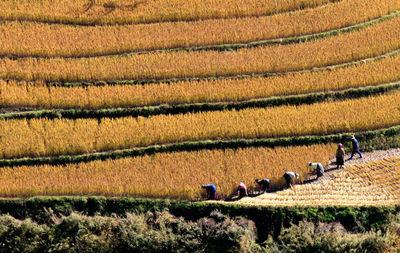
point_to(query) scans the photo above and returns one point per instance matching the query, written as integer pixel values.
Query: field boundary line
(163, 109)
(200, 145)
(229, 47)
(94, 23)
(211, 78)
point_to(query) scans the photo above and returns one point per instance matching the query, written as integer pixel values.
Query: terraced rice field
(344, 48)
(161, 175)
(44, 137)
(41, 39)
(107, 98)
(88, 12)
(37, 94)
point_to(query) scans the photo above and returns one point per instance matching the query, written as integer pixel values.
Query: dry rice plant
(44, 137)
(171, 175)
(144, 11)
(369, 42)
(35, 94)
(35, 39)
(376, 183)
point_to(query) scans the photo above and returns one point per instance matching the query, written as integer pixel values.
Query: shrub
(323, 237)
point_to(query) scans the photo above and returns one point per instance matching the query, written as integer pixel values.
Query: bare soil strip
(367, 158)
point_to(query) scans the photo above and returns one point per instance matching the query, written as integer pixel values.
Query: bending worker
(211, 190)
(242, 190)
(290, 178)
(264, 183)
(318, 168)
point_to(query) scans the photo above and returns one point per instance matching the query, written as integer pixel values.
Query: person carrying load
(264, 183)
(291, 178)
(318, 168)
(211, 191)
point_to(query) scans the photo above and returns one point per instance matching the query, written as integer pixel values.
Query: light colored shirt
(314, 166)
(242, 186)
(291, 174)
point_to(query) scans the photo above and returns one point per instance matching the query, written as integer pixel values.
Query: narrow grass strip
(53, 137)
(367, 136)
(29, 95)
(220, 77)
(147, 111)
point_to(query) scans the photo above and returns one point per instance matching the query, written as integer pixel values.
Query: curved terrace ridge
(46, 137)
(221, 47)
(165, 109)
(203, 144)
(163, 18)
(344, 48)
(227, 77)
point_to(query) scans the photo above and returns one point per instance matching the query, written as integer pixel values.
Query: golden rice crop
(35, 94)
(35, 39)
(375, 183)
(369, 42)
(131, 12)
(43, 137)
(176, 175)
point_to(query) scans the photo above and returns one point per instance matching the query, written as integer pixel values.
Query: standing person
(318, 167)
(356, 147)
(211, 191)
(290, 178)
(242, 190)
(264, 183)
(340, 156)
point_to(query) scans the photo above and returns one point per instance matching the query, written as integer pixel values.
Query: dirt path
(329, 172)
(367, 157)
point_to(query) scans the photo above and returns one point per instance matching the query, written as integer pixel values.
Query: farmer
(356, 147)
(290, 178)
(318, 167)
(242, 190)
(264, 183)
(340, 156)
(211, 190)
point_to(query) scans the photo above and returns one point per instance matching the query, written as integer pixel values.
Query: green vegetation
(126, 224)
(151, 232)
(163, 232)
(121, 224)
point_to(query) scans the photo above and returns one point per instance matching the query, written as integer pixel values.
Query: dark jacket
(265, 183)
(355, 144)
(211, 190)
